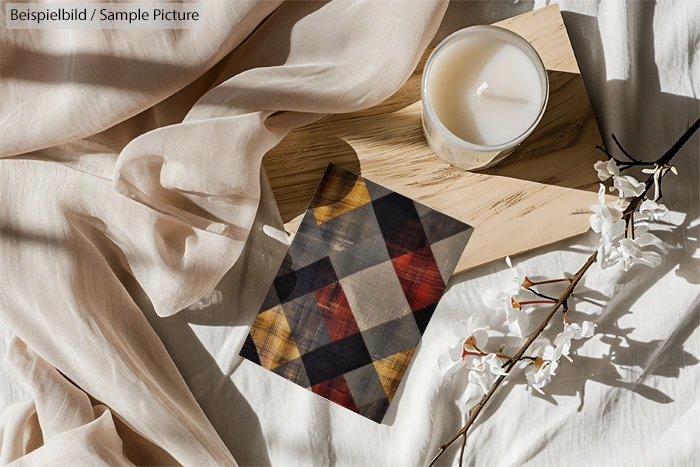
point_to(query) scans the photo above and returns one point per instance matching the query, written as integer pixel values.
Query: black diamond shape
(423, 316)
(336, 358)
(305, 280)
(400, 224)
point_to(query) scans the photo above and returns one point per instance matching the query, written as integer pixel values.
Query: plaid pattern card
(355, 292)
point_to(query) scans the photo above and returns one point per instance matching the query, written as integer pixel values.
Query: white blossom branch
(605, 221)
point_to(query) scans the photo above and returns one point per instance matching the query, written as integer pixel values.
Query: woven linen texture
(355, 292)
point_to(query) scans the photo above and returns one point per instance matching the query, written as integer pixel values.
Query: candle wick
(501, 97)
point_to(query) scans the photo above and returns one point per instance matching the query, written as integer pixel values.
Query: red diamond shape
(420, 278)
(336, 311)
(336, 390)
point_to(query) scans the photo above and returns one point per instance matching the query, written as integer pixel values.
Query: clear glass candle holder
(460, 152)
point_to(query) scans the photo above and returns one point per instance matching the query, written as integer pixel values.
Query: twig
(623, 165)
(461, 451)
(534, 302)
(662, 162)
(541, 294)
(610, 156)
(632, 225)
(623, 150)
(527, 283)
(477, 408)
(481, 353)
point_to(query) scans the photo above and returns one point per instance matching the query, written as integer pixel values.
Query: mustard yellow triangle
(391, 370)
(273, 338)
(356, 197)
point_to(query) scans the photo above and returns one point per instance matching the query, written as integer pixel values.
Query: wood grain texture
(539, 195)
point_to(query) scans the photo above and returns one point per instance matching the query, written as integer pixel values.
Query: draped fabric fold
(130, 163)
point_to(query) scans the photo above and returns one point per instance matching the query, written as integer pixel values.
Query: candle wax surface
(484, 90)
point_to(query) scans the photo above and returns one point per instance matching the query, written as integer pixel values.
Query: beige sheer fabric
(130, 170)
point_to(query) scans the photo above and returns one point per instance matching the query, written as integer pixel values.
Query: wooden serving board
(539, 195)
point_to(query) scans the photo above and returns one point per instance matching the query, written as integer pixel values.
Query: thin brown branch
(623, 149)
(562, 301)
(632, 225)
(661, 162)
(536, 302)
(481, 353)
(478, 407)
(530, 283)
(541, 295)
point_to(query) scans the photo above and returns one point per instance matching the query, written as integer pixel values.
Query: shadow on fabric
(648, 122)
(224, 318)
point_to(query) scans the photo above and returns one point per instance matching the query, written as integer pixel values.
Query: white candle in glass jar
(484, 90)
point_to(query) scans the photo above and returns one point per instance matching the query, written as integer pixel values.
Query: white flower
(584, 331)
(608, 251)
(517, 319)
(475, 327)
(658, 172)
(538, 346)
(603, 217)
(643, 238)
(651, 210)
(489, 362)
(483, 379)
(497, 298)
(517, 276)
(571, 331)
(631, 253)
(540, 372)
(606, 169)
(628, 186)
(614, 233)
(608, 254)
(469, 338)
(562, 346)
(620, 204)
(484, 370)
(628, 251)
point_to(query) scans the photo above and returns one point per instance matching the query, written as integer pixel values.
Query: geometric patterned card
(354, 295)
